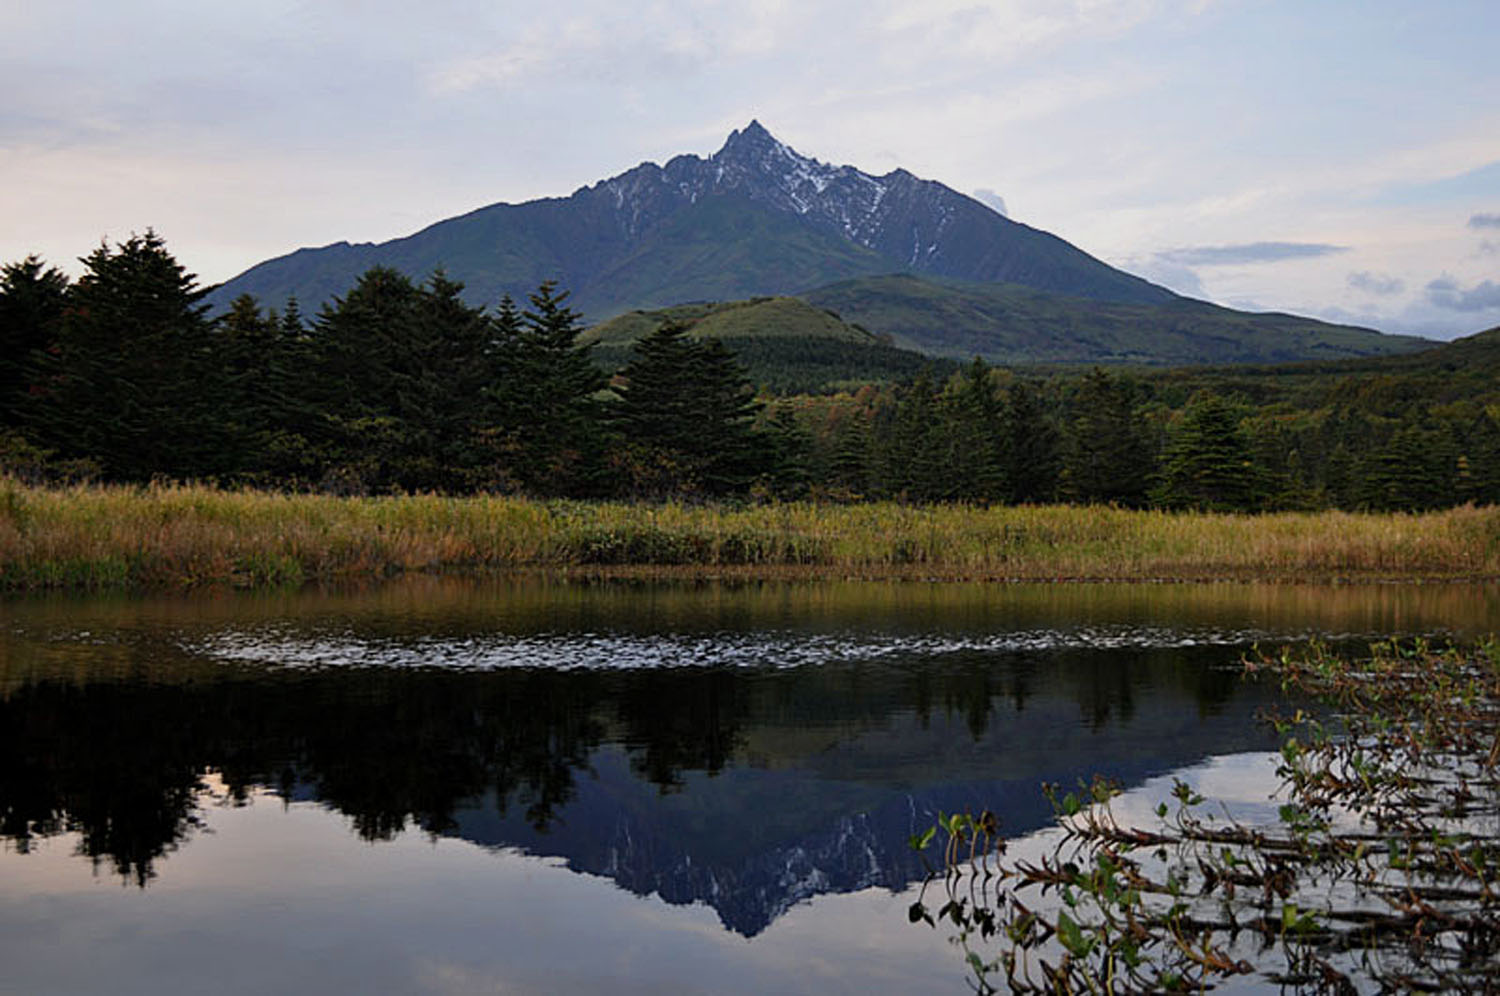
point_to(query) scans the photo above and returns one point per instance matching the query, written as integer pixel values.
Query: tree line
(393, 387)
(399, 386)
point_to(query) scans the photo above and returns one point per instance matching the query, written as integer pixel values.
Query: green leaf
(1071, 936)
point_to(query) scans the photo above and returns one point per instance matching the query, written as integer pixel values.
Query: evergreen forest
(398, 386)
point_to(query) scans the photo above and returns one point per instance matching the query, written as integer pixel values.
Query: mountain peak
(753, 144)
(753, 133)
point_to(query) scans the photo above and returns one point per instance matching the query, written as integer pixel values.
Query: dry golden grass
(90, 536)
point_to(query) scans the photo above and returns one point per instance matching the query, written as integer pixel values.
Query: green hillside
(788, 345)
(756, 318)
(723, 248)
(1007, 323)
(1463, 372)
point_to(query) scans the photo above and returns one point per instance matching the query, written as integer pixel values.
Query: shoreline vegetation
(92, 537)
(1377, 871)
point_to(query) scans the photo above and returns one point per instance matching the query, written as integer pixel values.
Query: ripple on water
(629, 651)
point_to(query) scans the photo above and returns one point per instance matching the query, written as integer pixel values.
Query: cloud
(1172, 276)
(1249, 252)
(1376, 283)
(1488, 248)
(1484, 221)
(991, 199)
(1445, 292)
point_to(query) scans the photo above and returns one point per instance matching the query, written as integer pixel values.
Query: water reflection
(744, 747)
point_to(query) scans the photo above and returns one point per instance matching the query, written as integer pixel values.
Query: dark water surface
(535, 786)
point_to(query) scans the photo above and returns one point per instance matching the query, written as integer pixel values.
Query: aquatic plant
(1380, 871)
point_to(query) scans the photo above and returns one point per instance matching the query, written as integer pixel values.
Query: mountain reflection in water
(742, 747)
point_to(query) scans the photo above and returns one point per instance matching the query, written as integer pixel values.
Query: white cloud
(991, 200)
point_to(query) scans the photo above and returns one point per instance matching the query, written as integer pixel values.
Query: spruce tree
(1106, 458)
(398, 391)
(1208, 464)
(789, 453)
(131, 382)
(685, 416)
(1030, 445)
(914, 453)
(972, 428)
(32, 297)
(561, 449)
(731, 453)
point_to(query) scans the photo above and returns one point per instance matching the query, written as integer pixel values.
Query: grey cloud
(991, 199)
(1484, 221)
(1445, 292)
(1488, 248)
(1376, 283)
(1172, 276)
(1250, 252)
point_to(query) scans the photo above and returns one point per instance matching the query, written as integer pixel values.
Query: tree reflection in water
(120, 760)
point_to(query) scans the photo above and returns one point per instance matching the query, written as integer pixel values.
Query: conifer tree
(849, 475)
(32, 297)
(732, 454)
(913, 451)
(685, 416)
(397, 397)
(972, 428)
(1030, 445)
(131, 382)
(1414, 470)
(249, 355)
(789, 453)
(1208, 464)
(1105, 456)
(561, 450)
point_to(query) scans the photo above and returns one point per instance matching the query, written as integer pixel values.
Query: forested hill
(1008, 323)
(787, 345)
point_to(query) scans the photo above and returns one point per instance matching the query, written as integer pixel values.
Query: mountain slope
(754, 218)
(1007, 323)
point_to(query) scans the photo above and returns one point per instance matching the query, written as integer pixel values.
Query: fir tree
(562, 448)
(1105, 455)
(131, 382)
(685, 415)
(1030, 445)
(1208, 463)
(32, 297)
(973, 429)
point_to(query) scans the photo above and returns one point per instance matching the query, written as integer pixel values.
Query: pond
(534, 785)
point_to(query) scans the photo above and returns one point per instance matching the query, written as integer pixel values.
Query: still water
(537, 786)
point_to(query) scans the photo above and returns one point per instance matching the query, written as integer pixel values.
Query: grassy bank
(98, 537)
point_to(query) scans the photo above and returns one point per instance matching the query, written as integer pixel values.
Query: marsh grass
(165, 535)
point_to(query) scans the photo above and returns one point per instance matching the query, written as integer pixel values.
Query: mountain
(754, 218)
(1008, 323)
(902, 256)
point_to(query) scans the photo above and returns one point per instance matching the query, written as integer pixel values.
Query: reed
(165, 535)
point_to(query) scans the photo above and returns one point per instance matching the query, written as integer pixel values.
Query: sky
(1328, 158)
